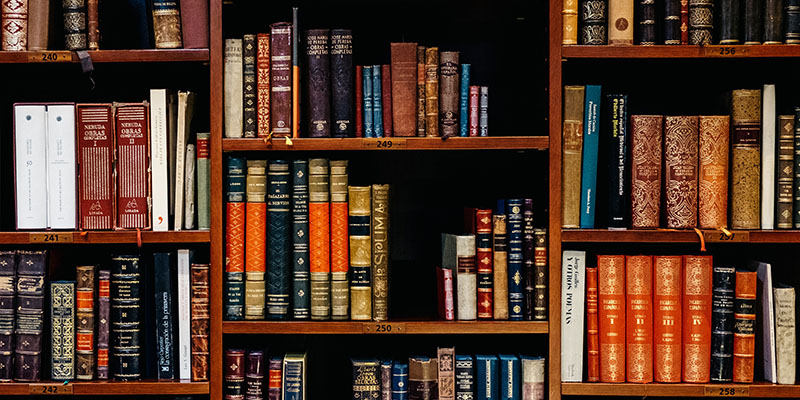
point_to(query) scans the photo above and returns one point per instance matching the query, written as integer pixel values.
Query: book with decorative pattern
(132, 131)
(722, 324)
(448, 93)
(528, 259)
(446, 375)
(367, 106)
(593, 22)
(745, 206)
(95, 155)
(235, 180)
(84, 335)
(639, 318)
(500, 264)
(254, 375)
(422, 378)
(281, 79)
(713, 172)
(249, 85)
(516, 297)
(8, 266)
(592, 331)
(785, 334)
(279, 244)
(28, 331)
(569, 15)
(233, 100)
(62, 330)
(233, 387)
(14, 20)
(256, 238)
(318, 81)
(680, 171)
(701, 22)
(262, 85)
(646, 153)
(611, 314)
(483, 250)
(275, 378)
(744, 333)
(126, 350)
(465, 377)
(667, 299)
(366, 379)
(103, 321)
(432, 91)
(463, 102)
(792, 22)
(422, 76)
(620, 27)
(380, 252)
(796, 181)
(784, 201)
(487, 384)
(647, 23)
(301, 287)
(167, 24)
(74, 12)
(340, 287)
(697, 295)
(342, 82)
(319, 239)
(201, 321)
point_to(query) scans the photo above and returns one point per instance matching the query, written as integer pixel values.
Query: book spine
(366, 379)
(234, 90)
(194, 24)
(159, 160)
(667, 277)
(235, 239)
(572, 151)
(785, 334)
(785, 171)
(295, 73)
(611, 315)
(7, 318)
(380, 252)
(510, 377)
(74, 24)
(448, 93)
(386, 380)
(432, 91)
(446, 374)
(404, 69)
(281, 79)
(792, 22)
(340, 287)
(533, 378)
(486, 382)
(203, 181)
(768, 157)
(464, 377)
(500, 267)
(572, 303)
(483, 110)
(593, 22)
(234, 385)
(184, 314)
(444, 290)
(474, 110)
(84, 337)
(569, 14)
(132, 139)
(697, 295)
(516, 296)
(293, 380)
(103, 319)
(466, 288)
(386, 99)
(167, 24)
(463, 101)
(713, 172)
(201, 320)
(359, 101)
(730, 21)
(680, 171)
(279, 244)
(185, 109)
(722, 324)
(256, 236)
(422, 374)
(254, 375)
(639, 318)
(773, 21)
(249, 85)
(528, 259)
(753, 21)
(399, 381)
(621, 32)
(745, 160)
(796, 181)
(30, 315)
(319, 239)
(342, 82)
(30, 166)
(646, 133)
(190, 187)
(319, 82)
(164, 310)
(301, 287)
(275, 378)
(366, 83)
(592, 329)
(591, 119)
(684, 22)
(647, 23)
(483, 245)
(262, 85)
(377, 102)
(95, 155)
(125, 317)
(618, 167)
(422, 78)
(701, 22)
(62, 190)
(672, 22)
(39, 23)
(62, 328)
(744, 337)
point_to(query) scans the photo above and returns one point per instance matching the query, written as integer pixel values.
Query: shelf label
(725, 51)
(50, 237)
(721, 237)
(383, 327)
(726, 391)
(49, 388)
(383, 143)
(49, 56)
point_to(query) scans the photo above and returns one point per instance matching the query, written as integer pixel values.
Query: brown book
(746, 159)
(744, 337)
(697, 293)
(386, 99)
(84, 302)
(421, 78)
(784, 208)
(14, 19)
(194, 24)
(449, 93)
(404, 80)
(281, 79)
(667, 290)
(432, 91)
(639, 318)
(620, 22)
(646, 170)
(92, 24)
(200, 321)
(167, 24)
(611, 316)
(680, 171)
(713, 177)
(569, 14)
(592, 331)
(500, 270)
(572, 149)
(423, 378)
(39, 23)
(262, 84)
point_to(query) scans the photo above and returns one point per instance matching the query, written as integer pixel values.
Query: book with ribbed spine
(465, 274)
(164, 314)
(249, 85)
(279, 243)
(701, 22)
(784, 200)
(386, 99)
(745, 210)
(516, 297)
(262, 84)
(592, 330)
(611, 296)
(377, 102)
(448, 93)
(446, 374)
(680, 171)
(432, 91)
(167, 24)
(103, 321)
(483, 251)
(275, 378)
(672, 21)
(422, 76)
(500, 264)
(713, 171)
(697, 296)
(465, 377)
(235, 205)
(399, 381)
(792, 22)
(75, 24)
(572, 151)
(342, 82)
(796, 181)
(773, 21)
(533, 377)
(14, 21)
(84, 335)
(744, 333)
(509, 377)
(463, 101)
(340, 288)
(591, 132)
(254, 375)
(319, 237)
(528, 256)
(569, 15)
(8, 266)
(125, 323)
(29, 325)
(639, 318)
(486, 377)
(256, 238)
(572, 308)
(729, 22)
(201, 321)
(647, 23)
(386, 379)
(593, 22)
(281, 79)
(293, 382)
(62, 330)
(318, 79)
(483, 111)
(422, 377)
(366, 378)
(233, 387)
(785, 334)
(379, 226)
(233, 100)
(366, 84)
(667, 290)
(722, 324)
(540, 273)
(301, 287)
(132, 165)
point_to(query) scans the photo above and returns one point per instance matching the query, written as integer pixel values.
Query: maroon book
(133, 150)
(386, 95)
(95, 160)
(194, 23)
(474, 109)
(359, 101)
(281, 78)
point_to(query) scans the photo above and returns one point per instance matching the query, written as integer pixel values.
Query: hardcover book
(39, 24)
(84, 335)
(697, 295)
(377, 102)
(125, 322)
(159, 159)
(569, 14)
(483, 246)
(516, 296)
(166, 24)
(463, 102)
(768, 158)
(639, 318)
(592, 329)
(360, 246)
(667, 300)
(235, 238)
(62, 330)
(680, 171)
(618, 164)
(203, 169)
(422, 78)
(190, 187)
(29, 314)
(486, 377)
(785, 334)
(254, 375)
(255, 227)
(432, 91)
(275, 378)
(784, 210)
(182, 165)
(509, 377)
(366, 379)
(386, 99)
(262, 85)
(446, 374)
(359, 100)
(792, 22)
(279, 244)
(572, 301)
(194, 24)
(7, 318)
(95, 155)
(730, 22)
(466, 287)
(249, 82)
(591, 120)
(380, 252)
(465, 377)
(646, 133)
(611, 296)
(234, 386)
(386, 380)
(744, 341)
(293, 382)
(722, 324)
(103, 321)
(773, 21)
(533, 378)
(621, 31)
(14, 20)
(593, 22)
(62, 190)
(366, 84)
(30, 165)
(764, 324)
(745, 159)
(713, 171)
(132, 164)
(701, 22)
(342, 82)
(319, 82)
(796, 187)
(647, 23)
(164, 313)
(281, 76)
(483, 112)
(528, 256)
(74, 12)
(404, 88)
(474, 110)
(319, 239)
(184, 289)
(422, 378)
(500, 264)
(234, 94)
(399, 381)
(201, 320)
(301, 286)
(448, 93)
(340, 288)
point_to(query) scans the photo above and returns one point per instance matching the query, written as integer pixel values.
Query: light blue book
(369, 130)
(463, 120)
(377, 101)
(591, 120)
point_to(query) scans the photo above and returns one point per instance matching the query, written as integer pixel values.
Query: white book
(765, 318)
(573, 294)
(234, 98)
(532, 378)
(172, 136)
(30, 165)
(62, 188)
(467, 279)
(191, 164)
(785, 334)
(185, 110)
(184, 316)
(159, 159)
(768, 118)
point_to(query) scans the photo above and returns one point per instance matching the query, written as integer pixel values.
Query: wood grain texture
(127, 236)
(410, 143)
(757, 390)
(108, 388)
(411, 327)
(667, 236)
(664, 51)
(118, 56)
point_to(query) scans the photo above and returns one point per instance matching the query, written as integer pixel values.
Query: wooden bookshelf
(90, 237)
(682, 51)
(105, 388)
(676, 236)
(756, 390)
(106, 56)
(390, 143)
(387, 327)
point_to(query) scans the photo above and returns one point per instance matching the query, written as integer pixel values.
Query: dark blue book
(342, 77)
(464, 101)
(165, 311)
(377, 101)
(486, 377)
(294, 377)
(618, 192)
(722, 320)
(366, 378)
(62, 330)
(301, 287)
(465, 378)
(510, 377)
(132, 27)
(386, 379)
(516, 297)
(279, 241)
(369, 128)
(591, 119)
(400, 381)
(234, 281)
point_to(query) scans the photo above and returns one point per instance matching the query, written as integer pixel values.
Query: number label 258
(727, 391)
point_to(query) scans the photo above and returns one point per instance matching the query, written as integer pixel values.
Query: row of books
(26, 24)
(675, 22)
(421, 93)
(675, 319)
(304, 244)
(111, 166)
(498, 270)
(245, 375)
(125, 323)
(684, 157)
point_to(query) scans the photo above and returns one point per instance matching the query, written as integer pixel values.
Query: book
(380, 252)
(784, 202)
(185, 114)
(366, 85)
(573, 282)
(533, 378)
(8, 285)
(745, 197)
(319, 82)
(529, 260)
(103, 321)
(448, 93)
(386, 99)
(684, 26)
(768, 153)
(359, 101)
(792, 19)
(722, 318)
(697, 296)
(730, 22)
(713, 171)
(84, 319)
(611, 315)
(194, 24)
(483, 112)
(399, 381)
(360, 246)
(95, 155)
(500, 264)
(569, 15)
(474, 110)
(796, 178)
(319, 239)
(647, 23)
(159, 160)
(422, 77)
(572, 150)
(190, 187)
(432, 91)
(29, 314)
(234, 375)
(262, 85)
(167, 24)
(773, 21)
(483, 252)
(516, 297)
(446, 374)
(785, 334)
(256, 238)
(254, 375)
(279, 244)
(422, 378)
(74, 12)
(464, 377)
(233, 100)
(667, 319)
(203, 181)
(184, 295)
(201, 321)
(340, 287)
(764, 325)
(621, 12)
(591, 120)
(646, 134)
(486, 377)
(639, 318)
(366, 378)
(125, 323)
(275, 378)
(593, 22)
(377, 102)
(343, 82)
(62, 191)
(463, 101)
(249, 85)
(39, 22)
(295, 45)
(235, 223)
(466, 278)
(744, 334)
(281, 88)
(510, 379)
(301, 287)
(618, 165)
(386, 380)
(293, 381)
(132, 164)
(164, 314)
(592, 329)
(62, 328)
(14, 20)
(132, 27)
(446, 278)
(30, 165)
(680, 171)
(701, 22)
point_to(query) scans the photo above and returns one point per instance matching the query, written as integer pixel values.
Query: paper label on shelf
(383, 328)
(49, 56)
(726, 391)
(50, 237)
(49, 388)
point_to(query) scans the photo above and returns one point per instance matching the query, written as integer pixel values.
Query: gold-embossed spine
(167, 24)
(360, 207)
(572, 149)
(785, 188)
(569, 14)
(432, 91)
(380, 252)
(15, 24)
(639, 324)
(746, 160)
(646, 170)
(713, 178)
(680, 170)
(667, 301)
(611, 303)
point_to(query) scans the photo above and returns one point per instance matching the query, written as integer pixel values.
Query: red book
(592, 344)
(194, 23)
(469, 220)
(474, 109)
(667, 278)
(386, 97)
(684, 21)
(133, 180)
(744, 338)
(262, 84)
(611, 310)
(359, 101)
(697, 319)
(444, 287)
(639, 318)
(483, 240)
(95, 159)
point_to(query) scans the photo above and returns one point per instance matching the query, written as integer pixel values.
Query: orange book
(234, 242)
(611, 310)
(667, 278)
(319, 227)
(744, 338)
(339, 250)
(697, 319)
(592, 344)
(639, 318)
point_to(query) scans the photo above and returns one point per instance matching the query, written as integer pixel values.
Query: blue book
(369, 130)
(514, 221)
(464, 101)
(400, 381)
(377, 101)
(301, 286)
(164, 313)
(591, 119)
(293, 382)
(465, 377)
(510, 377)
(62, 330)
(234, 281)
(279, 241)
(486, 377)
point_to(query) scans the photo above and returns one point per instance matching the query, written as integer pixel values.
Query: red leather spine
(684, 21)
(359, 101)
(256, 237)
(234, 242)
(386, 97)
(483, 229)
(592, 331)
(95, 157)
(262, 84)
(133, 183)
(474, 109)
(611, 310)
(667, 278)
(639, 318)
(697, 293)
(744, 338)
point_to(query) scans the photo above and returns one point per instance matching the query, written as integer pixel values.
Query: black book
(672, 21)
(318, 78)
(722, 319)
(593, 22)
(249, 85)
(792, 22)
(7, 284)
(164, 315)
(773, 21)
(753, 21)
(647, 22)
(465, 377)
(342, 83)
(618, 163)
(729, 21)
(132, 26)
(31, 267)
(126, 295)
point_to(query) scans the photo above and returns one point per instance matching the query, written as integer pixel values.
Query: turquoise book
(377, 101)
(463, 120)
(510, 377)
(369, 130)
(591, 119)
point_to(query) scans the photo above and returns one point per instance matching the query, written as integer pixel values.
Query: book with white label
(573, 294)
(30, 137)
(184, 316)
(62, 187)
(159, 159)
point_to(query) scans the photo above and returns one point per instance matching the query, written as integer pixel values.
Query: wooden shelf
(756, 390)
(388, 327)
(392, 143)
(105, 56)
(107, 388)
(89, 237)
(680, 51)
(669, 236)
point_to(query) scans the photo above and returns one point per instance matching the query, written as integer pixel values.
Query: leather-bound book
(30, 315)
(620, 18)
(39, 23)
(275, 378)
(256, 239)
(422, 78)
(279, 244)
(713, 172)
(639, 318)
(646, 133)
(366, 378)
(483, 250)
(359, 101)
(684, 22)
(380, 252)
(448, 93)
(647, 23)
(281, 79)
(84, 334)
(301, 286)
(235, 205)
(446, 374)
(133, 179)
(667, 278)
(422, 378)
(474, 110)
(62, 330)
(592, 328)
(617, 106)
(126, 325)
(744, 335)
(319, 239)
(233, 85)
(486, 376)
(340, 288)
(14, 20)
(234, 386)
(465, 377)
(792, 22)
(404, 88)
(463, 100)
(254, 375)
(500, 265)
(295, 65)
(796, 194)
(540, 274)
(785, 191)
(95, 156)
(572, 149)
(593, 22)
(194, 24)
(386, 99)
(569, 15)
(201, 321)
(672, 22)
(701, 22)
(432, 91)
(528, 252)
(533, 377)
(722, 324)
(483, 110)
(203, 179)
(445, 292)
(753, 21)
(730, 31)
(249, 85)
(7, 320)
(367, 106)
(103, 321)
(680, 171)
(515, 222)
(342, 83)
(167, 24)
(75, 24)
(262, 84)
(773, 21)
(165, 309)
(377, 101)
(785, 334)
(746, 160)
(458, 254)
(611, 315)
(386, 379)
(697, 296)
(509, 375)
(319, 82)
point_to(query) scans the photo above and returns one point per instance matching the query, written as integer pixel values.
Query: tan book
(404, 89)
(360, 208)
(340, 288)
(620, 22)
(432, 91)
(569, 15)
(380, 252)
(713, 178)
(500, 270)
(39, 21)
(746, 160)
(572, 149)
(785, 334)
(421, 79)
